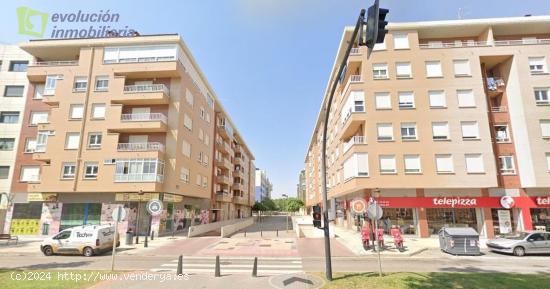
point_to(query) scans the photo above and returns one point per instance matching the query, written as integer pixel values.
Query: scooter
(365, 238)
(397, 239)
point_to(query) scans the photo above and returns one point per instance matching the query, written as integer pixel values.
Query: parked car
(534, 242)
(86, 240)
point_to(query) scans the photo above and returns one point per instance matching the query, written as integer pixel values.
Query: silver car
(523, 243)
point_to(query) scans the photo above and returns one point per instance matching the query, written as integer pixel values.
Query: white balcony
(143, 117)
(140, 147)
(498, 109)
(144, 177)
(355, 51)
(355, 78)
(55, 63)
(141, 88)
(455, 44)
(355, 140)
(521, 42)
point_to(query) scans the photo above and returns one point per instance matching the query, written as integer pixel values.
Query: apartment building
(301, 186)
(13, 86)
(447, 124)
(263, 185)
(121, 120)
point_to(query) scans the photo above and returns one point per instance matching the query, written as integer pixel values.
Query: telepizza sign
(463, 202)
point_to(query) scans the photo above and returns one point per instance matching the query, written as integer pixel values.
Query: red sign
(460, 202)
(542, 201)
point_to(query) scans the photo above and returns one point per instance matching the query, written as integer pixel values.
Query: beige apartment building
(449, 121)
(13, 86)
(125, 120)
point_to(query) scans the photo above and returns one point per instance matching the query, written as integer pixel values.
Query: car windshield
(518, 236)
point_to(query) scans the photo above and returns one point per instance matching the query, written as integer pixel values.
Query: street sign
(154, 207)
(116, 215)
(359, 206)
(374, 211)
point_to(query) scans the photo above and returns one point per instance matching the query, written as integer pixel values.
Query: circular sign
(374, 211)
(359, 206)
(507, 202)
(154, 207)
(119, 211)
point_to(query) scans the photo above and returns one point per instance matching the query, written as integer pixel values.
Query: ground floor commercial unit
(228, 210)
(423, 212)
(48, 213)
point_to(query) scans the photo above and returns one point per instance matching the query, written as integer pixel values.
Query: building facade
(263, 186)
(121, 121)
(13, 86)
(449, 121)
(301, 186)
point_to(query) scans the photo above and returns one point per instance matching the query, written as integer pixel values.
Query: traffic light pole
(326, 112)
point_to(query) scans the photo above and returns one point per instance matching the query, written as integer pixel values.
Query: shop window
(447, 217)
(541, 219)
(503, 222)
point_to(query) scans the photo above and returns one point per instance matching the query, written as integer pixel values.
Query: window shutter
(474, 163)
(387, 163)
(440, 130)
(444, 163)
(437, 98)
(433, 69)
(400, 41)
(466, 98)
(403, 68)
(383, 99)
(470, 129)
(412, 163)
(385, 130)
(98, 111)
(462, 67)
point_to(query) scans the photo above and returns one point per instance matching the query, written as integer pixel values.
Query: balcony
(223, 147)
(224, 163)
(224, 131)
(238, 161)
(37, 72)
(499, 109)
(223, 196)
(238, 173)
(241, 200)
(355, 51)
(454, 44)
(140, 122)
(140, 147)
(495, 86)
(355, 140)
(238, 186)
(143, 94)
(530, 41)
(222, 179)
(146, 67)
(139, 178)
(237, 149)
(352, 120)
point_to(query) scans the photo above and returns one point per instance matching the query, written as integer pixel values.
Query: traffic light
(317, 216)
(376, 26)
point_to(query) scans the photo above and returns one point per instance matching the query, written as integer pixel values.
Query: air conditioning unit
(109, 161)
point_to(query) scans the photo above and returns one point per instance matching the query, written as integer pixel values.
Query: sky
(268, 61)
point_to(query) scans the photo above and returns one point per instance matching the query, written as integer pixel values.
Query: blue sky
(267, 60)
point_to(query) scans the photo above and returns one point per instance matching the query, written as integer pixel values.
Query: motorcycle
(397, 238)
(365, 237)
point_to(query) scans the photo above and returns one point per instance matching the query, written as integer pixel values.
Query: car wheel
(519, 251)
(88, 252)
(47, 250)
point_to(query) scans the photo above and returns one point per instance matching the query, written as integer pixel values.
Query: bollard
(180, 266)
(261, 233)
(217, 273)
(277, 232)
(245, 233)
(152, 235)
(145, 244)
(255, 268)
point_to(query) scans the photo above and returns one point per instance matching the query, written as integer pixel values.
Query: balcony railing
(455, 44)
(521, 42)
(494, 84)
(355, 78)
(140, 147)
(352, 110)
(143, 117)
(502, 138)
(144, 177)
(358, 139)
(355, 51)
(498, 109)
(139, 88)
(140, 59)
(55, 63)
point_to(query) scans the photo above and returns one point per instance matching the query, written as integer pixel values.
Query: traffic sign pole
(117, 219)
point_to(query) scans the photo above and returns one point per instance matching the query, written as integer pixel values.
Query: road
(269, 226)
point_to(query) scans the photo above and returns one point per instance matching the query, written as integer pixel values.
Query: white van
(86, 240)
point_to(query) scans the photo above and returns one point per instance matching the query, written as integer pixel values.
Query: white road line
(231, 266)
(242, 258)
(260, 271)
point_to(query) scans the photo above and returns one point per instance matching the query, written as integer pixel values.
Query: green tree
(258, 206)
(269, 205)
(293, 204)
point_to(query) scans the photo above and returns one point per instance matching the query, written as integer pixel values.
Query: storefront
(540, 216)
(77, 214)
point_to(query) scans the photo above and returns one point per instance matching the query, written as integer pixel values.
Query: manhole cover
(300, 281)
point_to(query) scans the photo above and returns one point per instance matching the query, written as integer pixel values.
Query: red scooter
(365, 237)
(397, 239)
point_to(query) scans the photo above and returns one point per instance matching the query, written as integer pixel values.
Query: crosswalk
(234, 265)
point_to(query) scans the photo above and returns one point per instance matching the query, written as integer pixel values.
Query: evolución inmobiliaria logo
(33, 23)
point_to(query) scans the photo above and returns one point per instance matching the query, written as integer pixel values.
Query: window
(204, 181)
(51, 83)
(379, 46)
(408, 131)
(547, 155)
(38, 91)
(537, 65)
(440, 130)
(7, 144)
(4, 172)
(206, 140)
(198, 180)
(187, 122)
(385, 131)
(406, 99)
(435, 44)
(80, 83)
(470, 130)
(94, 140)
(42, 140)
(541, 96)
(387, 164)
(90, 170)
(462, 67)
(68, 171)
(14, 90)
(437, 98)
(501, 133)
(357, 165)
(412, 163)
(506, 165)
(139, 170)
(71, 140)
(38, 117)
(403, 69)
(201, 134)
(189, 97)
(545, 128)
(101, 83)
(98, 111)
(9, 117)
(400, 41)
(186, 149)
(444, 163)
(18, 66)
(433, 69)
(380, 71)
(76, 111)
(382, 100)
(465, 98)
(474, 163)
(30, 174)
(30, 145)
(184, 175)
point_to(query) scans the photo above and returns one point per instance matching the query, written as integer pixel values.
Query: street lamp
(287, 213)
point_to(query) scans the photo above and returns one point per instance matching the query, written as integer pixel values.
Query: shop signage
(464, 202)
(358, 206)
(543, 201)
(42, 197)
(154, 207)
(135, 197)
(507, 202)
(454, 202)
(172, 198)
(504, 221)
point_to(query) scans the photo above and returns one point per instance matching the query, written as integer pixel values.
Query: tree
(269, 205)
(258, 206)
(293, 204)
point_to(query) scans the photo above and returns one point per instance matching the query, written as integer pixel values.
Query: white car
(86, 240)
(523, 243)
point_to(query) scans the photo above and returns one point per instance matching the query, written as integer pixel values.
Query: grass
(437, 280)
(45, 279)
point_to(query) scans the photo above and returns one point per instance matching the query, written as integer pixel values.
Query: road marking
(260, 271)
(231, 266)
